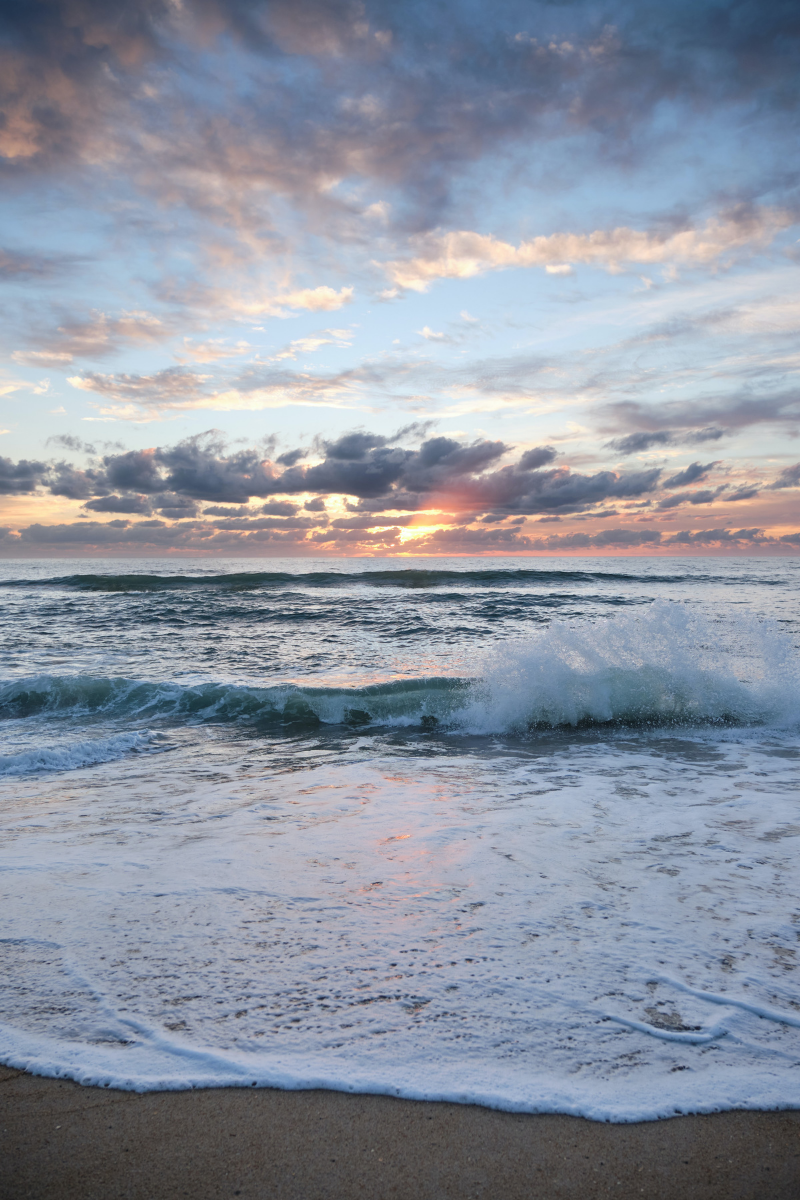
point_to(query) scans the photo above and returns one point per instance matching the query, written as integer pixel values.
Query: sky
(319, 277)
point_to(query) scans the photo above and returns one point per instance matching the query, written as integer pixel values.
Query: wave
(71, 756)
(670, 665)
(415, 579)
(405, 701)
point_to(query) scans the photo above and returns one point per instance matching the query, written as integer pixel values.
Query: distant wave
(411, 579)
(71, 756)
(669, 665)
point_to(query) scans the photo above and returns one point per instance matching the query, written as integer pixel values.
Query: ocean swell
(413, 579)
(668, 666)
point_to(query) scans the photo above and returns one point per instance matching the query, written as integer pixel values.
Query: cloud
(42, 358)
(119, 504)
(745, 493)
(371, 522)
(144, 397)
(63, 479)
(318, 299)
(458, 476)
(94, 337)
(363, 488)
(636, 443)
(281, 508)
(402, 98)
(616, 538)
(461, 255)
(69, 442)
(19, 265)
(701, 497)
(692, 474)
(367, 466)
(722, 537)
(703, 415)
(308, 345)
(211, 351)
(161, 389)
(21, 477)
(789, 477)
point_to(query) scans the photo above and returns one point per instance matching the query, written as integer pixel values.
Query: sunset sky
(310, 277)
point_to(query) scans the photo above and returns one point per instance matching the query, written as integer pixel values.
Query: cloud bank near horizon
(368, 493)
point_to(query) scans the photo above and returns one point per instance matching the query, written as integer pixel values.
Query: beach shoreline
(63, 1140)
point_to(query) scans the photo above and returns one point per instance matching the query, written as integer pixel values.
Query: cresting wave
(668, 666)
(413, 578)
(76, 754)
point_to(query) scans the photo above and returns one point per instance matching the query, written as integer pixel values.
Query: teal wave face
(417, 701)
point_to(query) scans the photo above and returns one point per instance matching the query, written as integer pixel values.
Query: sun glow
(418, 531)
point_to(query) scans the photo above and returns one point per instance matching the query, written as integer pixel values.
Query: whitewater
(521, 833)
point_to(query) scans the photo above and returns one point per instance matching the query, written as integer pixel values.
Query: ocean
(516, 832)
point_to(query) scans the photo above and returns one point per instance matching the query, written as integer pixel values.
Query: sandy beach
(62, 1141)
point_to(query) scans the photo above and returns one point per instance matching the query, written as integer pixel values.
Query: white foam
(596, 928)
(667, 664)
(73, 755)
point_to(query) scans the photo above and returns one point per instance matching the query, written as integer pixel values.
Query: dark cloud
(135, 471)
(400, 501)
(747, 493)
(353, 447)
(701, 497)
(174, 507)
(65, 480)
(702, 418)
(84, 532)
(692, 474)
(21, 477)
(636, 443)
(721, 537)
(513, 491)
(282, 508)
(457, 475)
(370, 522)
(220, 510)
(618, 538)
(198, 468)
(789, 477)
(119, 504)
(538, 457)
(442, 470)
(248, 523)
(291, 457)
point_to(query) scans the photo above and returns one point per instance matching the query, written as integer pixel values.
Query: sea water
(517, 832)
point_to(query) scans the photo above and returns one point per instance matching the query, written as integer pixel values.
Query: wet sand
(59, 1140)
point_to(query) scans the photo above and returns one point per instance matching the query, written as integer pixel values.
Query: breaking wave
(71, 756)
(670, 665)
